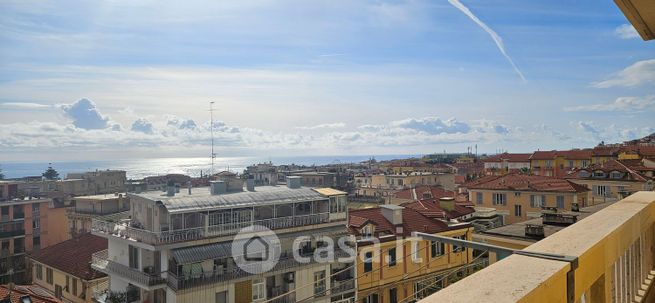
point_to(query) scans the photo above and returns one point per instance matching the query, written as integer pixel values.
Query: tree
(50, 173)
(2, 176)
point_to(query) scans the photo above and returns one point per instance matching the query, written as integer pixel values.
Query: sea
(140, 168)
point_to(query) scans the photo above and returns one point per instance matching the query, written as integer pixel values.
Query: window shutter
(543, 200)
(594, 189)
(494, 198)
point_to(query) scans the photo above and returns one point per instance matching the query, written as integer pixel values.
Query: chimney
(170, 189)
(447, 203)
(393, 213)
(217, 187)
(250, 184)
(294, 181)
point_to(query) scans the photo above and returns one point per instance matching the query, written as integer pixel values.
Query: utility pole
(211, 127)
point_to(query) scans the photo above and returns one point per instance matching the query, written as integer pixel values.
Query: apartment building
(558, 163)
(102, 181)
(518, 197)
(317, 179)
(176, 247)
(64, 269)
(26, 226)
(614, 180)
(385, 186)
(85, 208)
(504, 163)
(263, 173)
(402, 268)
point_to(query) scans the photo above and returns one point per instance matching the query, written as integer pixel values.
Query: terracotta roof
(605, 151)
(642, 150)
(520, 182)
(35, 293)
(623, 166)
(73, 256)
(432, 208)
(574, 154)
(417, 192)
(509, 158)
(413, 220)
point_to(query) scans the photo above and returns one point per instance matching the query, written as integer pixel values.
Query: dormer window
(367, 231)
(583, 174)
(599, 174)
(616, 175)
(427, 195)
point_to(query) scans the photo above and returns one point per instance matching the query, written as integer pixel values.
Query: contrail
(491, 32)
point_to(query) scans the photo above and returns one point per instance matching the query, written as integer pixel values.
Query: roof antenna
(211, 127)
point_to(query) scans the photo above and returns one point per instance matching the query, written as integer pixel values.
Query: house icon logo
(256, 249)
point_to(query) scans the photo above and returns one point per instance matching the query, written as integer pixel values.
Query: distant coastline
(139, 168)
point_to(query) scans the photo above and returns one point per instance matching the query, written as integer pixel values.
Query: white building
(176, 247)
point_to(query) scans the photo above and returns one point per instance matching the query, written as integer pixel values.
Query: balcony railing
(11, 229)
(609, 258)
(342, 286)
(123, 228)
(101, 262)
(285, 264)
(91, 213)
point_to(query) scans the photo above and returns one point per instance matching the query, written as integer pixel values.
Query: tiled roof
(543, 155)
(574, 154)
(432, 208)
(417, 192)
(509, 158)
(73, 256)
(413, 220)
(520, 182)
(623, 166)
(35, 293)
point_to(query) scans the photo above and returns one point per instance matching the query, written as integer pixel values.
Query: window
(517, 194)
(478, 198)
(392, 257)
(36, 223)
(560, 201)
(600, 190)
(499, 199)
(585, 163)
(393, 295)
(537, 201)
(570, 164)
(372, 298)
(35, 208)
(367, 231)
(74, 286)
(517, 210)
(583, 174)
(134, 257)
(599, 174)
(549, 163)
(415, 252)
(48, 275)
(258, 289)
(68, 286)
(319, 282)
(39, 271)
(616, 175)
(457, 248)
(400, 182)
(368, 261)
(334, 205)
(436, 249)
(36, 243)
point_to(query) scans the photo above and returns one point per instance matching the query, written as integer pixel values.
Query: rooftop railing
(122, 228)
(101, 262)
(610, 258)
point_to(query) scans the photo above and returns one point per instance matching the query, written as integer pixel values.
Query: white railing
(101, 262)
(121, 228)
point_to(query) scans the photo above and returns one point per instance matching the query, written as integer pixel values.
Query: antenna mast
(211, 128)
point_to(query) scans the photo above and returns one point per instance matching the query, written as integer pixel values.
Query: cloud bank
(639, 73)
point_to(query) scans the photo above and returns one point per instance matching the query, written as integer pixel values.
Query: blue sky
(117, 79)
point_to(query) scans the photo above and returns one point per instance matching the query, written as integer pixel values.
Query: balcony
(11, 229)
(84, 213)
(285, 264)
(614, 249)
(122, 228)
(101, 262)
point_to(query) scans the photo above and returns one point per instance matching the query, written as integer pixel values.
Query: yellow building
(65, 269)
(518, 197)
(558, 163)
(85, 208)
(401, 267)
(386, 185)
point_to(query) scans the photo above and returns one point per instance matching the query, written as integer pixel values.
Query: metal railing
(342, 286)
(100, 261)
(11, 229)
(122, 228)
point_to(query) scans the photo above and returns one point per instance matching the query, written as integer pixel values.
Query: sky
(90, 80)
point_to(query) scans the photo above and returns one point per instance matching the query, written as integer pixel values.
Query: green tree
(50, 173)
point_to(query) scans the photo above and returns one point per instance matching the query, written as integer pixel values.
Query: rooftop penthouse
(196, 213)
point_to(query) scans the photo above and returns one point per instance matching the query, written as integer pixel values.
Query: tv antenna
(211, 128)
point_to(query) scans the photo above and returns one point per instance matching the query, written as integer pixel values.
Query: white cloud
(24, 105)
(85, 115)
(497, 39)
(323, 126)
(142, 125)
(433, 125)
(641, 72)
(626, 31)
(620, 104)
(180, 123)
(589, 127)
